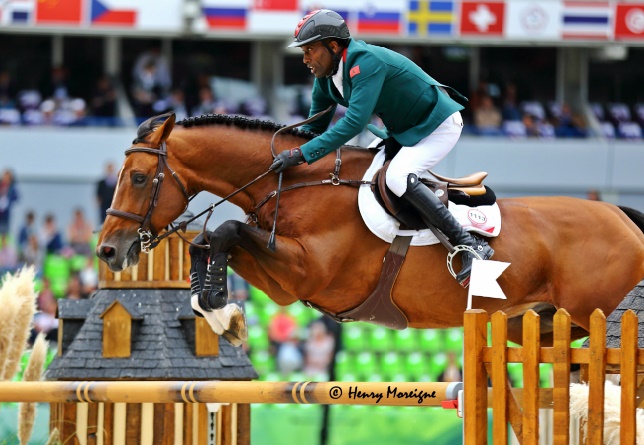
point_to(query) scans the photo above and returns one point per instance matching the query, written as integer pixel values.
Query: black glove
(286, 159)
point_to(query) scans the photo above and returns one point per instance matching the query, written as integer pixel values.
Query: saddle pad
(483, 220)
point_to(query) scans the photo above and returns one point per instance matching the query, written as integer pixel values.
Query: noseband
(147, 238)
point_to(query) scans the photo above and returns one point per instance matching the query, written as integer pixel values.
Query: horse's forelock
(146, 128)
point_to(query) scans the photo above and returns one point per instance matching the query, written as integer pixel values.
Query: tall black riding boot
(433, 212)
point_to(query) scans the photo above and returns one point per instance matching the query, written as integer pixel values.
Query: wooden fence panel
(500, 377)
(596, 378)
(561, 378)
(531, 348)
(628, 369)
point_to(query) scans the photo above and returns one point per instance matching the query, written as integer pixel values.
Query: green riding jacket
(378, 81)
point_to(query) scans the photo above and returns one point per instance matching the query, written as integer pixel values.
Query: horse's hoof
(232, 339)
(214, 299)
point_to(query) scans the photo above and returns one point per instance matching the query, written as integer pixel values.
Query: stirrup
(450, 257)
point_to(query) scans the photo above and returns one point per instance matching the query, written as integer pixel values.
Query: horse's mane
(242, 122)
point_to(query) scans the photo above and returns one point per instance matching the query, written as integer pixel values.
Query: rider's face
(318, 58)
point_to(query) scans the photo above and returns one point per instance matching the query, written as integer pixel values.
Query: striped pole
(322, 393)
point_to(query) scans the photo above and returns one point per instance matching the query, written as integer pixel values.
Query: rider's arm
(365, 92)
(320, 102)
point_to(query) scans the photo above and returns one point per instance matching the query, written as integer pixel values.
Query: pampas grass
(17, 300)
(33, 373)
(579, 409)
(54, 437)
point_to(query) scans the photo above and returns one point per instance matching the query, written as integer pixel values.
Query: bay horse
(564, 252)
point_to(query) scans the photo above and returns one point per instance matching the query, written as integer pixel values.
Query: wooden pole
(324, 393)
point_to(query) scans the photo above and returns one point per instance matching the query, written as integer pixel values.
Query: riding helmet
(318, 25)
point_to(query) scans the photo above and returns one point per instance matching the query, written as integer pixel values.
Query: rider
(417, 111)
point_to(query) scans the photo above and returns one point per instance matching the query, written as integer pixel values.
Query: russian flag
(387, 22)
(586, 20)
(102, 14)
(231, 18)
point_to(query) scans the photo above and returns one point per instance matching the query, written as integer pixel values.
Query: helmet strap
(336, 58)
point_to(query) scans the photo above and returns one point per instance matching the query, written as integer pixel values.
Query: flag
(483, 280)
(586, 20)
(59, 11)
(629, 21)
(103, 13)
(533, 20)
(227, 18)
(377, 21)
(431, 17)
(482, 18)
(275, 5)
(16, 12)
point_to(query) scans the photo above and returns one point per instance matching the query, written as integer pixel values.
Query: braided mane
(242, 122)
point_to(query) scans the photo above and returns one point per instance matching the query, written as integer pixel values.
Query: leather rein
(150, 240)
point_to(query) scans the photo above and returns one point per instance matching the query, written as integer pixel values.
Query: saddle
(468, 190)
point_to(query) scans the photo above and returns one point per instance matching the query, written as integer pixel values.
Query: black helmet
(318, 25)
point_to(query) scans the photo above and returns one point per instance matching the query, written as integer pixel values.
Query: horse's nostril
(106, 252)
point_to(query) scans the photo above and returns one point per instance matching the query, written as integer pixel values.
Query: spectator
(105, 191)
(74, 289)
(8, 91)
(510, 108)
(50, 237)
(318, 349)
(530, 124)
(102, 104)
(151, 66)
(8, 255)
(79, 233)
(8, 197)
(207, 103)
(27, 229)
(594, 195)
(56, 87)
(177, 103)
(88, 276)
(487, 118)
(146, 91)
(282, 327)
(45, 320)
(32, 254)
(569, 124)
(452, 372)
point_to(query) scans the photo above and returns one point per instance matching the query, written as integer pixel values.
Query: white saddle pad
(484, 220)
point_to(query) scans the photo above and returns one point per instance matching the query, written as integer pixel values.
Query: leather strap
(379, 308)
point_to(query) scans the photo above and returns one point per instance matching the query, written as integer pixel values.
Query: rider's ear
(161, 133)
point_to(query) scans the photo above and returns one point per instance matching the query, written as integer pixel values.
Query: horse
(564, 252)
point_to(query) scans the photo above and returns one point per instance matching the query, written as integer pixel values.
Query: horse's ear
(161, 133)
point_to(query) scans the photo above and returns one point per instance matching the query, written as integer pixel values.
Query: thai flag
(229, 18)
(379, 22)
(103, 13)
(586, 20)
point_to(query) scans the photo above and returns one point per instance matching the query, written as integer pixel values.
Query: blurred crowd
(493, 110)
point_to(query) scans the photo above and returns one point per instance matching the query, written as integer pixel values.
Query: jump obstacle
(517, 406)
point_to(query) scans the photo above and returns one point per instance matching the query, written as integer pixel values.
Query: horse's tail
(635, 215)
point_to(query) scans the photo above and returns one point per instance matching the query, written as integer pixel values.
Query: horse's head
(149, 196)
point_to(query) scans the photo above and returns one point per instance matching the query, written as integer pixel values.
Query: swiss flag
(482, 18)
(629, 21)
(275, 5)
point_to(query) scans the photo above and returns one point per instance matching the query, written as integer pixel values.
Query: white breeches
(424, 155)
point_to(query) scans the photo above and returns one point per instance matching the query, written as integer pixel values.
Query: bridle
(147, 238)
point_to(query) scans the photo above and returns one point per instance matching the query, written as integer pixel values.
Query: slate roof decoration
(635, 301)
(160, 351)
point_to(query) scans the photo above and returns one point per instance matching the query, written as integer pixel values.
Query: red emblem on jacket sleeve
(354, 71)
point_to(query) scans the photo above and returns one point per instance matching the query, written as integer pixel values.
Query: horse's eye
(138, 179)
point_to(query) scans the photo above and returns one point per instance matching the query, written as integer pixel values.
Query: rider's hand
(286, 159)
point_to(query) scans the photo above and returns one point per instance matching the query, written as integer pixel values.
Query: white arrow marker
(483, 280)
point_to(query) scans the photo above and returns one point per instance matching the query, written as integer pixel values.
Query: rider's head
(322, 29)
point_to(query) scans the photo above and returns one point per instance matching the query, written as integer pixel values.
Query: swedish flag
(431, 17)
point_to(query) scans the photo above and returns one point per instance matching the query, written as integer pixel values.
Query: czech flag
(102, 14)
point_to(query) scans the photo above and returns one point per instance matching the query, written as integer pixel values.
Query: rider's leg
(402, 178)
(433, 212)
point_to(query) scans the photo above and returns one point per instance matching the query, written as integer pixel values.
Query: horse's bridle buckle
(145, 237)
